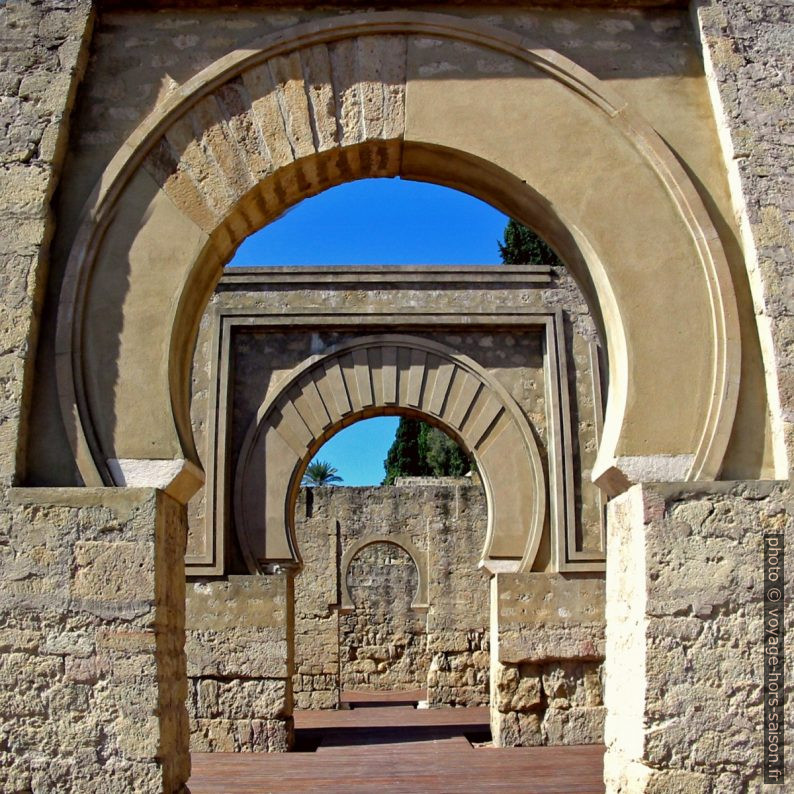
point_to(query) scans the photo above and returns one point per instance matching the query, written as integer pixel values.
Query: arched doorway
(379, 375)
(336, 129)
(129, 421)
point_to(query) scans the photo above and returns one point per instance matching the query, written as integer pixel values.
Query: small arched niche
(419, 599)
(383, 641)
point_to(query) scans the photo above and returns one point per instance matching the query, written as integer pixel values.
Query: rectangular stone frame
(224, 321)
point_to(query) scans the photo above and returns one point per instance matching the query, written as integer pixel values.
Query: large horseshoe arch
(324, 103)
(389, 374)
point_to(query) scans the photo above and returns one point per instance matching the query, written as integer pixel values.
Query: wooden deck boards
(360, 698)
(401, 750)
(390, 716)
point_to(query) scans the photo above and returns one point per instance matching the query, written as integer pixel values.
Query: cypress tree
(521, 246)
(420, 450)
(403, 459)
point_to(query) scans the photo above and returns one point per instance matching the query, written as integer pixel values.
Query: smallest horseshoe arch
(380, 375)
(420, 600)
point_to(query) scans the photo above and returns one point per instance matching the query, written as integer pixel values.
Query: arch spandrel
(329, 392)
(348, 98)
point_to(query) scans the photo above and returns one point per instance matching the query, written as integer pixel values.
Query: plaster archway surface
(385, 94)
(389, 374)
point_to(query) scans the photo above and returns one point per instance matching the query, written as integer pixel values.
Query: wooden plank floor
(401, 750)
(393, 696)
(387, 716)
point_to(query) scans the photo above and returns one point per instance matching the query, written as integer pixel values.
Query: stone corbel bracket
(421, 600)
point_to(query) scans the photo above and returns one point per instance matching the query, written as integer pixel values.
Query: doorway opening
(391, 611)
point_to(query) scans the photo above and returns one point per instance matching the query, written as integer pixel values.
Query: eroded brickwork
(81, 633)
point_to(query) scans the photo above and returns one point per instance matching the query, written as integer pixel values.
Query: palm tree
(320, 472)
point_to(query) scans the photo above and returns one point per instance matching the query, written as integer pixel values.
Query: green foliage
(521, 246)
(320, 472)
(443, 456)
(420, 450)
(402, 459)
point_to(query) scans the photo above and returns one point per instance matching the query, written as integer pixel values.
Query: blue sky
(380, 222)
(376, 222)
(358, 451)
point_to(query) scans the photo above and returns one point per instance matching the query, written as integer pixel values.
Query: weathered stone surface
(238, 699)
(747, 52)
(50, 740)
(43, 54)
(238, 637)
(554, 703)
(549, 616)
(261, 355)
(574, 726)
(236, 736)
(547, 659)
(685, 653)
(383, 643)
(92, 668)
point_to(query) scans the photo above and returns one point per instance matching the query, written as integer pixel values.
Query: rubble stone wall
(384, 643)
(92, 665)
(747, 53)
(43, 54)
(685, 651)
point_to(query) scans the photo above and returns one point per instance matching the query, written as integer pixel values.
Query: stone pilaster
(684, 660)
(747, 57)
(92, 665)
(240, 663)
(43, 53)
(547, 649)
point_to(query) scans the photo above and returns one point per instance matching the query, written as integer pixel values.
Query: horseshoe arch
(389, 374)
(320, 104)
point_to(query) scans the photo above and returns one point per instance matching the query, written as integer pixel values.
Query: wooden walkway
(400, 749)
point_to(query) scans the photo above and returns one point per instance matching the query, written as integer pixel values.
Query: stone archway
(389, 374)
(419, 599)
(267, 126)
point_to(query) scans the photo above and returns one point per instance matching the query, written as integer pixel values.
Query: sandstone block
(575, 725)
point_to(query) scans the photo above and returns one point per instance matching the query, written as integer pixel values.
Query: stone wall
(92, 666)
(542, 644)
(233, 369)
(458, 621)
(685, 653)
(547, 653)
(43, 53)
(382, 641)
(239, 661)
(442, 645)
